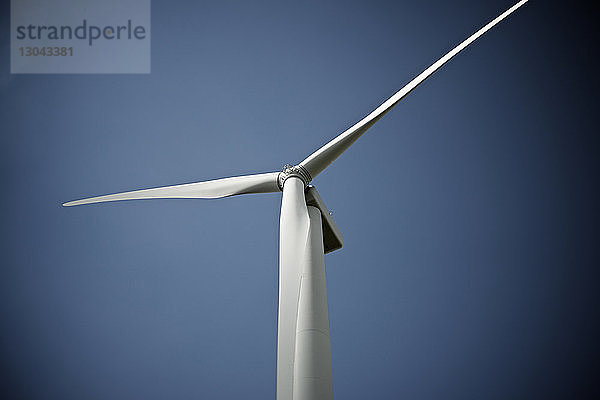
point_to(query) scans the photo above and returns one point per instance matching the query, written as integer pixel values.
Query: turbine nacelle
(332, 235)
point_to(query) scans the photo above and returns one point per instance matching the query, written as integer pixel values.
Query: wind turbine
(307, 232)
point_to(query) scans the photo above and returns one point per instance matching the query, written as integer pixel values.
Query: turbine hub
(293, 170)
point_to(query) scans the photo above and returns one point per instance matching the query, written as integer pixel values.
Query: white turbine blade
(261, 183)
(293, 240)
(322, 158)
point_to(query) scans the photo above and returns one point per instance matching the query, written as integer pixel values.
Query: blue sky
(469, 212)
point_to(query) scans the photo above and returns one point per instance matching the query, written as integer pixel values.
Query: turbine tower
(306, 233)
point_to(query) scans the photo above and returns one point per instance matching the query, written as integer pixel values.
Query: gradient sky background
(470, 212)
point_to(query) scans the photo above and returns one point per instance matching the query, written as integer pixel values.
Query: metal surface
(290, 170)
(306, 233)
(332, 235)
(312, 362)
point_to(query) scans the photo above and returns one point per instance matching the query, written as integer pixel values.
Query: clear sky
(469, 212)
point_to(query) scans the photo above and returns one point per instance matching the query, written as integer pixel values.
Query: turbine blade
(322, 158)
(293, 242)
(260, 183)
